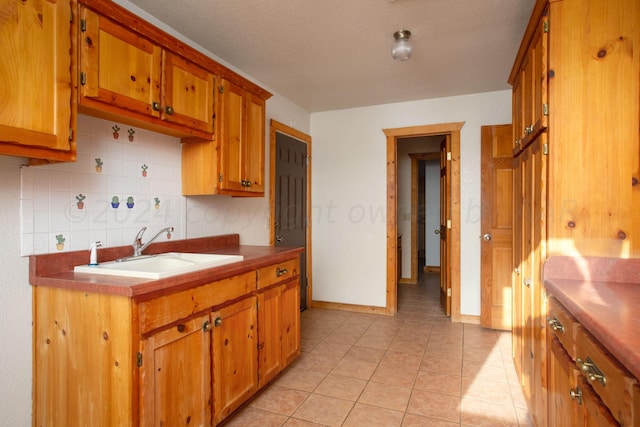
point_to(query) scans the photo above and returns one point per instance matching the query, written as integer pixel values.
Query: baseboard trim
(467, 318)
(406, 281)
(350, 307)
(431, 269)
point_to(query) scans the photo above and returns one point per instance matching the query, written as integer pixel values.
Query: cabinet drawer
(170, 308)
(276, 273)
(561, 325)
(610, 380)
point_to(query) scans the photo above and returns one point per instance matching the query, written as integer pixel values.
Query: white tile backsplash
(50, 193)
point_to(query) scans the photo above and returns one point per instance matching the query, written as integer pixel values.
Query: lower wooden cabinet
(175, 375)
(189, 357)
(587, 386)
(235, 356)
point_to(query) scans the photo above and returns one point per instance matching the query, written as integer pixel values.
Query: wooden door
(253, 150)
(517, 317)
(187, 93)
(269, 334)
(290, 321)
(231, 136)
(118, 67)
(235, 356)
(445, 221)
(176, 376)
(496, 227)
(528, 320)
(291, 201)
(35, 78)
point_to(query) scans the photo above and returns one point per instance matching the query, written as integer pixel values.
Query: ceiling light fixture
(401, 49)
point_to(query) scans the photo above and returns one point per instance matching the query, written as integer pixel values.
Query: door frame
(275, 127)
(392, 136)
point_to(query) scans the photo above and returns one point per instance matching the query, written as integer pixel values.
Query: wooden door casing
(496, 227)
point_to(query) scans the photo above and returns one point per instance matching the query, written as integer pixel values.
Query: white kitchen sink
(159, 266)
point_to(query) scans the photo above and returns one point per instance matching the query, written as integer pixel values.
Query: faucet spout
(138, 247)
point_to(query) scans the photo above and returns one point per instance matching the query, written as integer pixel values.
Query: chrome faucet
(138, 247)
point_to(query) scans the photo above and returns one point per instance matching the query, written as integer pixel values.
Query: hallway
(415, 369)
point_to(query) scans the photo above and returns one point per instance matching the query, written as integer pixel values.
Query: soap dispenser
(93, 253)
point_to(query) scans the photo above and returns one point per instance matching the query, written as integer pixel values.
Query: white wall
(349, 193)
(15, 304)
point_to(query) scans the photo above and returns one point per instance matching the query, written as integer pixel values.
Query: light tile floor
(414, 369)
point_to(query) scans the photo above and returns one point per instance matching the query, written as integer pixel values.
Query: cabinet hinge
(83, 78)
(139, 359)
(71, 17)
(545, 26)
(260, 346)
(70, 134)
(448, 292)
(83, 25)
(449, 155)
(449, 224)
(545, 109)
(545, 149)
(221, 89)
(220, 177)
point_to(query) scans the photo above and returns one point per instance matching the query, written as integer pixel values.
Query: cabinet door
(37, 114)
(231, 136)
(254, 145)
(175, 375)
(290, 322)
(235, 356)
(187, 93)
(118, 67)
(269, 335)
(593, 411)
(563, 390)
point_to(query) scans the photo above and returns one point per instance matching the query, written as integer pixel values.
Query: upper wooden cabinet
(37, 95)
(123, 73)
(233, 163)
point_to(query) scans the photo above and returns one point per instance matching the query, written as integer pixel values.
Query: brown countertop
(603, 294)
(56, 270)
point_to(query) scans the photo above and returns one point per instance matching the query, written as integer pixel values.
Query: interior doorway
(451, 218)
(290, 197)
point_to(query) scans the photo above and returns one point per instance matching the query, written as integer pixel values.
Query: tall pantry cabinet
(576, 121)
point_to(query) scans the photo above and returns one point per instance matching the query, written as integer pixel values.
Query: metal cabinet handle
(576, 395)
(206, 326)
(527, 282)
(591, 371)
(281, 271)
(555, 325)
(217, 321)
(155, 106)
(279, 239)
(169, 110)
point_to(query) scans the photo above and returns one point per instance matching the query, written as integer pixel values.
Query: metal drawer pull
(281, 271)
(217, 321)
(206, 326)
(555, 325)
(576, 395)
(592, 372)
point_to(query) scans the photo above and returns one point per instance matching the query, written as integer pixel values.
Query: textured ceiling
(334, 54)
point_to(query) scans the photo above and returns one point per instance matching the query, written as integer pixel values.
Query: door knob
(486, 237)
(437, 231)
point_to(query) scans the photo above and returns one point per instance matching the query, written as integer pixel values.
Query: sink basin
(159, 266)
